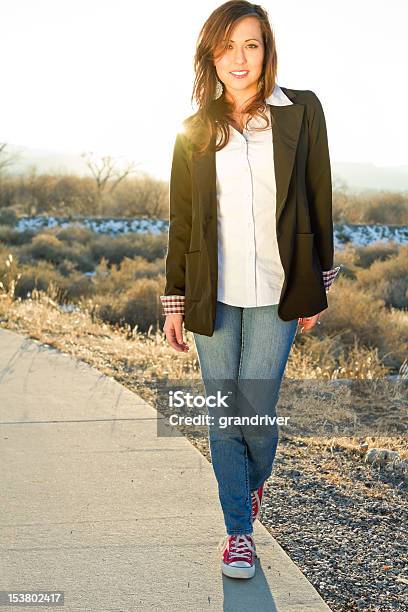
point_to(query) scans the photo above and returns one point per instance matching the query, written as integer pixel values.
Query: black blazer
(304, 224)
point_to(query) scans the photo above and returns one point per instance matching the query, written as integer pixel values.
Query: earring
(219, 88)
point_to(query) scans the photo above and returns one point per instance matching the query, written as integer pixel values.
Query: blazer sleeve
(180, 203)
(319, 188)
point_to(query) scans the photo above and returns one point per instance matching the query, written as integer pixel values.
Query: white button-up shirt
(250, 271)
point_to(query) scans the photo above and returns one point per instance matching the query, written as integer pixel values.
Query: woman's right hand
(174, 333)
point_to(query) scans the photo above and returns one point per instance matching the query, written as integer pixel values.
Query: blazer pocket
(306, 261)
(192, 280)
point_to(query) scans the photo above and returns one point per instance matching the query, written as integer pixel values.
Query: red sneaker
(238, 556)
(256, 498)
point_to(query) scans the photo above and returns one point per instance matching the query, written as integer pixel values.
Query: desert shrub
(139, 305)
(48, 247)
(67, 267)
(44, 275)
(8, 217)
(8, 234)
(139, 195)
(377, 251)
(11, 236)
(78, 287)
(352, 312)
(75, 234)
(72, 194)
(387, 208)
(370, 207)
(388, 279)
(153, 246)
(355, 311)
(129, 245)
(82, 256)
(54, 194)
(115, 279)
(39, 277)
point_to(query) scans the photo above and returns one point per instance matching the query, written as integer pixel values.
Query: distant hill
(357, 176)
(46, 161)
(368, 176)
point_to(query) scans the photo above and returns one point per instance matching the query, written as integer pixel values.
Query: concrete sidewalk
(96, 505)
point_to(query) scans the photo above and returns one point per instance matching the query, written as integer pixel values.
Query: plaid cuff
(173, 304)
(329, 276)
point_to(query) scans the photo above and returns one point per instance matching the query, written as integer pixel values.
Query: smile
(240, 74)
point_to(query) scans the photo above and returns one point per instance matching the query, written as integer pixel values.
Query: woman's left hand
(307, 323)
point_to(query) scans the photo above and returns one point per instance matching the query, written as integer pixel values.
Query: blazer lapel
(287, 121)
(286, 124)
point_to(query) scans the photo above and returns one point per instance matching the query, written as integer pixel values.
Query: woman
(250, 249)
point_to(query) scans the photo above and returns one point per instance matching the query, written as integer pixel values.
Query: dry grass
(355, 312)
(387, 279)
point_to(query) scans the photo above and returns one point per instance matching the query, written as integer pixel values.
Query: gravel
(342, 521)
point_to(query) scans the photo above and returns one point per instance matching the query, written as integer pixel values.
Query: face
(245, 52)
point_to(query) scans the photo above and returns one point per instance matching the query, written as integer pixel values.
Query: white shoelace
(238, 546)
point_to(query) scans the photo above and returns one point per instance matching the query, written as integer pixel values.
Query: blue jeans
(248, 351)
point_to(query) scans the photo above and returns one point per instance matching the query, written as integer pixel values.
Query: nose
(239, 57)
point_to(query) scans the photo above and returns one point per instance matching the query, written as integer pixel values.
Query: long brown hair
(213, 116)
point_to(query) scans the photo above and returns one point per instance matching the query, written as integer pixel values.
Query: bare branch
(7, 159)
(105, 170)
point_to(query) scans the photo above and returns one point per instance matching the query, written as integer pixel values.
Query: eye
(250, 45)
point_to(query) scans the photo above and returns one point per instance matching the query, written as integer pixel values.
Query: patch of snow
(69, 307)
(359, 234)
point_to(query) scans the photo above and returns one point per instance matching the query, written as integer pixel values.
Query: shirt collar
(278, 98)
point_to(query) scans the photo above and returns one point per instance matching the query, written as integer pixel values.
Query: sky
(115, 77)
